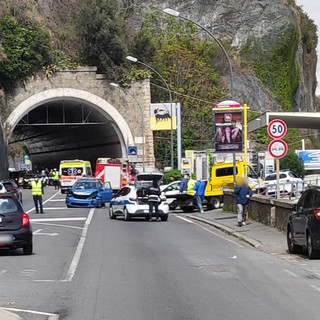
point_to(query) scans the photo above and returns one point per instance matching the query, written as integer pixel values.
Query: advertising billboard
(228, 131)
(160, 116)
(310, 159)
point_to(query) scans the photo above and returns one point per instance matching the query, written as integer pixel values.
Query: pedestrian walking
(37, 192)
(244, 193)
(154, 200)
(55, 179)
(199, 188)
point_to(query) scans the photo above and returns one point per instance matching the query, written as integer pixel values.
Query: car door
(106, 191)
(300, 217)
(120, 200)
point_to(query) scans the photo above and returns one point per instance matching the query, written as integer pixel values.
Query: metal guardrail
(288, 190)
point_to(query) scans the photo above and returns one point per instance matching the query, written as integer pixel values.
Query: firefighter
(37, 192)
(55, 179)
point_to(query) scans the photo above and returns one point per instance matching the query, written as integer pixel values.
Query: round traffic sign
(277, 129)
(277, 148)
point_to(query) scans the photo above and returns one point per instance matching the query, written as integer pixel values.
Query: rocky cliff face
(261, 27)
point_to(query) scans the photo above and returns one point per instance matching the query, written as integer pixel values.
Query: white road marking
(185, 219)
(210, 231)
(57, 225)
(315, 287)
(58, 219)
(76, 258)
(233, 257)
(290, 272)
(51, 316)
(43, 202)
(58, 200)
(38, 232)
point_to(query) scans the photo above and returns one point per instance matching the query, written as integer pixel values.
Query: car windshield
(85, 185)
(7, 205)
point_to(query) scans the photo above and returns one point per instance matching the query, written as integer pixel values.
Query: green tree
(27, 50)
(102, 27)
(187, 63)
(292, 162)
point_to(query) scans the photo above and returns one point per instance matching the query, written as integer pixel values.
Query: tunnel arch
(104, 107)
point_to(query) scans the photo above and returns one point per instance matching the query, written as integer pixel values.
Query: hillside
(271, 44)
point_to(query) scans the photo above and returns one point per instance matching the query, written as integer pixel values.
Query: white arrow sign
(38, 232)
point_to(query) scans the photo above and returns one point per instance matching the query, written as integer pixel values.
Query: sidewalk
(6, 315)
(266, 238)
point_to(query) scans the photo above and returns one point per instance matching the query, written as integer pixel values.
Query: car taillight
(132, 199)
(25, 220)
(317, 213)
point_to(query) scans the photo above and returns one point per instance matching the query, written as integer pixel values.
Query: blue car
(89, 193)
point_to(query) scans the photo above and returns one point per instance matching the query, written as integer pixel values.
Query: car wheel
(111, 213)
(164, 218)
(293, 248)
(27, 249)
(216, 203)
(310, 250)
(126, 214)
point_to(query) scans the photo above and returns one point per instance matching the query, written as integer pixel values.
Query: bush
(27, 50)
(176, 174)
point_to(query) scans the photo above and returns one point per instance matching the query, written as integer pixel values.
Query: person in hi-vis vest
(37, 192)
(55, 179)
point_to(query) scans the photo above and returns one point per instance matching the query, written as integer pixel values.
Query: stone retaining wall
(263, 209)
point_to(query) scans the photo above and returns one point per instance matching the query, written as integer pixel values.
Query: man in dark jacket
(154, 200)
(199, 188)
(244, 193)
(184, 183)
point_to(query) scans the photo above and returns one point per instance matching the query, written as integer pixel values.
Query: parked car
(11, 187)
(15, 227)
(132, 201)
(89, 193)
(288, 182)
(303, 229)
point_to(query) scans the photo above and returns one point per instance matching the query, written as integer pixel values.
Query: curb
(7, 315)
(252, 242)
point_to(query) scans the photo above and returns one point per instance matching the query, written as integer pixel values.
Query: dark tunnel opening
(65, 130)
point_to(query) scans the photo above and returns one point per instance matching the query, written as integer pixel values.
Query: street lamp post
(177, 14)
(142, 116)
(135, 60)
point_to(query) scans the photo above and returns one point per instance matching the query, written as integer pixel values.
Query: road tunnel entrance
(68, 127)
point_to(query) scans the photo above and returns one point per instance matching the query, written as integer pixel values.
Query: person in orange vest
(37, 192)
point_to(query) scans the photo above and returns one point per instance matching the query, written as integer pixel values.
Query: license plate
(5, 239)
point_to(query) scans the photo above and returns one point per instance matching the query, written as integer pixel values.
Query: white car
(170, 191)
(288, 182)
(132, 201)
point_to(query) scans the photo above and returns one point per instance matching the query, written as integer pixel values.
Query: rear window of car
(8, 185)
(225, 172)
(8, 205)
(293, 175)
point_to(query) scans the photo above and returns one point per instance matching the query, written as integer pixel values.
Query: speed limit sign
(277, 129)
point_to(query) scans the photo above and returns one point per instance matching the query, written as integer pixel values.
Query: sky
(312, 8)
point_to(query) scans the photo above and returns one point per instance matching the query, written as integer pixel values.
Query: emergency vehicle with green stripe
(72, 170)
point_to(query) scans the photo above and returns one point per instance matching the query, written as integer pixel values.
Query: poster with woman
(228, 131)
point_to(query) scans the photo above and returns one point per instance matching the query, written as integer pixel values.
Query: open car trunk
(143, 182)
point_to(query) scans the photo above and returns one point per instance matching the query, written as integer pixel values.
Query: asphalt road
(88, 267)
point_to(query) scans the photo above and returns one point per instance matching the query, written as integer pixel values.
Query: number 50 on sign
(277, 129)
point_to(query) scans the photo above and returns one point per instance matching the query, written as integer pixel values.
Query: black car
(28, 178)
(15, 228)
(12, 188)
(303, 230)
